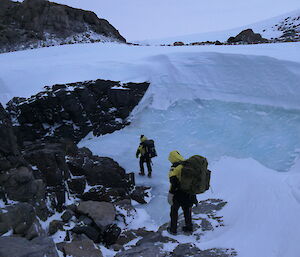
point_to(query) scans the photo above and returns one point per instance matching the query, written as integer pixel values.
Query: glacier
(237, 105)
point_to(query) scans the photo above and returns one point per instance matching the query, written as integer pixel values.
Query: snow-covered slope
(25, 73)
(229, 103)
(271, 29)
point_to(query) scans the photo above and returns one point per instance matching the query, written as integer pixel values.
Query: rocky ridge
(60, 200)
(40, 23)
(51, 188)
(73, 110)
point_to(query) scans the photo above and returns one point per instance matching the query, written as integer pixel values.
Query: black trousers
(147, 160)
(187, 212)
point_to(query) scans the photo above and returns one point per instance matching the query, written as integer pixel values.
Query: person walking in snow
(178, 198)
(145, 157)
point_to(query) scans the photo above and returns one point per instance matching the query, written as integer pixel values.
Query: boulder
(102, 213)
(19, 217)
(247, 36)
(20, 185)
(21, 247)
(178, 43)
(90, 231)
(54, 226)
(82, 248)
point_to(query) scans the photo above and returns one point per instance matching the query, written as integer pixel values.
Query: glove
(137, 156)
(170, 198)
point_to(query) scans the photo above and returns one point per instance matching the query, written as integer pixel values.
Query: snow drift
(239, 109)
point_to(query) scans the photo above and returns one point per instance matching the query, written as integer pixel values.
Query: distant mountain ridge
(285, 27)
(38, 23)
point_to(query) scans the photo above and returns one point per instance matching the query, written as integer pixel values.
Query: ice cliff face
(38, 23)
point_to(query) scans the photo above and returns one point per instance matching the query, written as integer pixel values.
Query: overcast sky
(149, 19)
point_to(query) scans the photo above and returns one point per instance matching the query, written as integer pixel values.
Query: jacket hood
(143, 139)
(175, 156)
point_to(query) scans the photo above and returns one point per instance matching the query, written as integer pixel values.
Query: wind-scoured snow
(270, 29)
(216, 75)
(236, 105)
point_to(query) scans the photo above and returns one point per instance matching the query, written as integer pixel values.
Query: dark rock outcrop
(10, 156)
(152, 243)
(247, 37)
(37, 23)
(74, 110)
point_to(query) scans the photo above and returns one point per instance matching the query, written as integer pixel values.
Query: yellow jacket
(141, 150)
(175, 172)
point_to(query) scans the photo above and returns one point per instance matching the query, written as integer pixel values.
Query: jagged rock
(111, 234)
(83, 248)
(153, 237)
(56, 161)
(204, 215)
(54, 226)
(102, 213)
(77, 185)
(85, 220)
(18, 217)
(36, 23)
(146, 250)
(106, 172)
(209, 206)
(247, 36)
(21, 247)
(49, 158)
(192, 250)
(99, 171)
(128, 235)
(67, 215)
(91, 232)
(10, 156)
(74, 110)
(125, 211)
(139, 194)
(102, 194)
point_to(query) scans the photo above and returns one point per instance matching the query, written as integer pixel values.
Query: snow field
(229, 103)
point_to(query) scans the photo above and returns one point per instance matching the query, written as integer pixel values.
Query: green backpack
(195, 177)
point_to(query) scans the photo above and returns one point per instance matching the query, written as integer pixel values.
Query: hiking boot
(142, 174)
(149, 175)
(187, 229)
(174, 233)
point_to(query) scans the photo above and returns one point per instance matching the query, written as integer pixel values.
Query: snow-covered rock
(39, 23)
